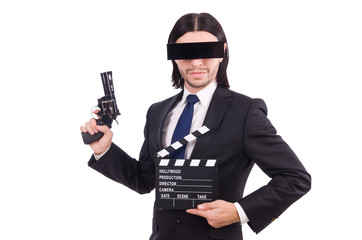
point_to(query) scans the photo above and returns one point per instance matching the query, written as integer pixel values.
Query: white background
(302, 57)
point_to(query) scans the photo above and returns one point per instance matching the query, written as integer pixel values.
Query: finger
(95, 111)
(83, 129)
(93, 124)
(102, 128)
(197, 212)
(89, 128)
(207, 206)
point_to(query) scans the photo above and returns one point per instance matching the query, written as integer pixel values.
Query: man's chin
(198, 83)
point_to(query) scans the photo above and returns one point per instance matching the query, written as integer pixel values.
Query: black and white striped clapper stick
(183, 141)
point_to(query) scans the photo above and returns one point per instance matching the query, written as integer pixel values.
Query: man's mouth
(197, 73)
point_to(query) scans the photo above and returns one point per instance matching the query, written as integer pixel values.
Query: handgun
(108, 108)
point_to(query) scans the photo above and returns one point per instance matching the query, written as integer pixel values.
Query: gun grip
(88, 139)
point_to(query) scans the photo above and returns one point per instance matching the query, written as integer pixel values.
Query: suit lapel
(218, 106)
(168, 106)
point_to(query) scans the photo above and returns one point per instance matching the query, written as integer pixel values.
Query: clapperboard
(185, 183)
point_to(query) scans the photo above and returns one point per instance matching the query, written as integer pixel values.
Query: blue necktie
(183, 126)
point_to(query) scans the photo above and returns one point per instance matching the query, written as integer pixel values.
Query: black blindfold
(196, 50)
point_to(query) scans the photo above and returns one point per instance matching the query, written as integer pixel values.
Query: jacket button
(178, 223)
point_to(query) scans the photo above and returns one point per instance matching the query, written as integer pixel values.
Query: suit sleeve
(289, 179)
(138, 175)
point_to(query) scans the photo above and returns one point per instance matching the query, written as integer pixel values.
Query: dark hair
(199, 22)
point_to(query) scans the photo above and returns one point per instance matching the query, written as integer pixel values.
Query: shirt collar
(204, 94)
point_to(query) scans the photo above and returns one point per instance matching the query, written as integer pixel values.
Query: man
(240, 135)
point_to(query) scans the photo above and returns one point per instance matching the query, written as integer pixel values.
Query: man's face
(198, 73)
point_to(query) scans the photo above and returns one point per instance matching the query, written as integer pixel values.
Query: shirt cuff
(97, 157)
(242, 214)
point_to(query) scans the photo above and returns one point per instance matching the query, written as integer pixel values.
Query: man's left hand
(218, 213)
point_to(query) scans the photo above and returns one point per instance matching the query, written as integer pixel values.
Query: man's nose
(196, 62)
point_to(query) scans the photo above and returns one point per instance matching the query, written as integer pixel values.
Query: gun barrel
(108, 104)
(107, 81)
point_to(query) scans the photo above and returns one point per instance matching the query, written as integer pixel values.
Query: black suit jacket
(240, 135)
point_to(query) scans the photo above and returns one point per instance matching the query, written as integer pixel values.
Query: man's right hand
(102, 144)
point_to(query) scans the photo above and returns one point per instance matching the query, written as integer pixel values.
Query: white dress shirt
(200, 110)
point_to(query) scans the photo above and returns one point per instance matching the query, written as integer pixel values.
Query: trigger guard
(95, 116)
